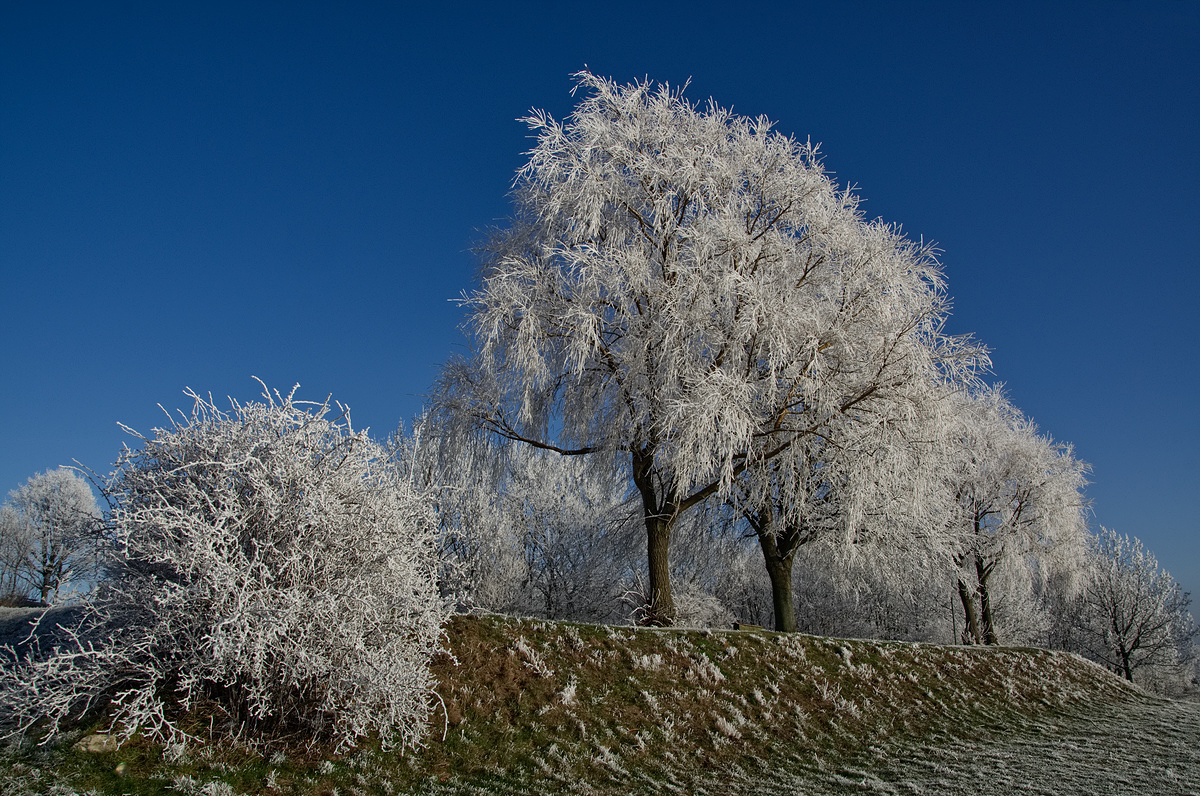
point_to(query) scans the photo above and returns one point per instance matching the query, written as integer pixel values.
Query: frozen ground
(1138, 747)
(1144, 747)
(1041, 723)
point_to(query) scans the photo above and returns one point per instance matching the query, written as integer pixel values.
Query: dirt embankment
(624, 707)
(538, 706)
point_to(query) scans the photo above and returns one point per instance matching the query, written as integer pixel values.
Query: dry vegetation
(536, 706)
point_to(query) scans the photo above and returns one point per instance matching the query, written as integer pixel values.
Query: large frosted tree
(685, 293)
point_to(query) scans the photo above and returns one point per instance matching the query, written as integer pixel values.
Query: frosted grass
(1131, 747)
(1135, 747)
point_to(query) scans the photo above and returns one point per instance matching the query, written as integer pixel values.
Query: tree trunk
(661, 610)
(46, 579)
(989, 627)
(971, 633)
(779, 570)
(983, 572)
(659, 514)
(779, 541)
(1126, 669)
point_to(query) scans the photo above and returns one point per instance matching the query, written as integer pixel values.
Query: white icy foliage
(527, 533)
(690, 289)
(1017, 494)
(531, 533)
(268, 563)
(576, 533)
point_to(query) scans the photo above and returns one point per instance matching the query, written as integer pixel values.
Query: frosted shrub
(268, 564)
(697, 608)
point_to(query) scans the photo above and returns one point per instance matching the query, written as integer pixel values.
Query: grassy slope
(534, 706)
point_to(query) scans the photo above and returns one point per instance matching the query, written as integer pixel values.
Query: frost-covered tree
(1133, 615)
(523, 531)
(531, 533)
(1016, 494)
(48, 529)
(865, 488)
(268, 563)
(867, 596)
(713, 581)
(478, 550)
(575, 529)
(14, 553)
(780, 529)
(686, 293)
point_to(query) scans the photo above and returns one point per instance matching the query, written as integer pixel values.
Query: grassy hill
(535, 706)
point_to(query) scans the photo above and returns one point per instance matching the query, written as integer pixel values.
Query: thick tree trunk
(982, 573)
(779, 541)
(985, 609)
(661, 610)
(659, 514)
(779, 570)
(971, 634)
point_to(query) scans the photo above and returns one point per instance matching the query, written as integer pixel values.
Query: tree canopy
(688, 292)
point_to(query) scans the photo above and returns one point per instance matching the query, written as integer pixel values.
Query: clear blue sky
(194, 194)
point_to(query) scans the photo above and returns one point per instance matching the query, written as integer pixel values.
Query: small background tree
(268, 564)
(1016, 502)
(526, 532)
(1133, 615)
(48, 537)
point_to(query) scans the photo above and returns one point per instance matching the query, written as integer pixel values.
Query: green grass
(536, 706)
